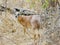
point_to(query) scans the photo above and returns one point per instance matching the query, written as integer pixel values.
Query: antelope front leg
(25, 30)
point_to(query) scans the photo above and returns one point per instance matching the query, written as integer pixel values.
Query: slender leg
(38, 34)
(24, 30)
(36, 37)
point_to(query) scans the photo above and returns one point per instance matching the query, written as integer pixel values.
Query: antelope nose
(16, 16)
(17, 9)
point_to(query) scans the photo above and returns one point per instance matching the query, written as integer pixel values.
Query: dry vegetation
(11, 31)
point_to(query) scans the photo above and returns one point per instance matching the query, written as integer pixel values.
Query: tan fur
(32, 21)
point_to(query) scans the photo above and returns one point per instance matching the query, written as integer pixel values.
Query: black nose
(16, 16)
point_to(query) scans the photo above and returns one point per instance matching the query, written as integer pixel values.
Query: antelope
(31, 21)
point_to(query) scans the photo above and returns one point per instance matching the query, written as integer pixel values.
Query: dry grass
(11, 31)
